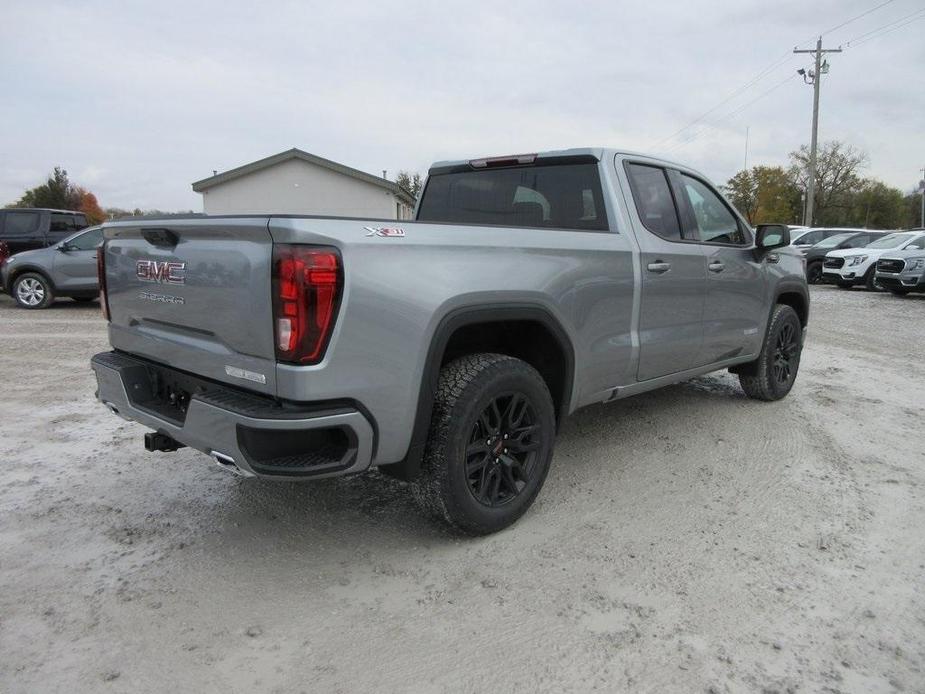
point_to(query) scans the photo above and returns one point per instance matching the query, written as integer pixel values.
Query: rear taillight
(101, 277)
(307, 282)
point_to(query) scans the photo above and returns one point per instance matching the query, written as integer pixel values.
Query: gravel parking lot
(686, 540)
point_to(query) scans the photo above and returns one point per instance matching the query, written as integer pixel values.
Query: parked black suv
(24, 229)
(815, 255)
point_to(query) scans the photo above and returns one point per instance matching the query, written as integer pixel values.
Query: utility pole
(922, 188)
(745, 164)
(815, 79)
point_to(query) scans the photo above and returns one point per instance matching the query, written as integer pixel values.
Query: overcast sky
(139, 99)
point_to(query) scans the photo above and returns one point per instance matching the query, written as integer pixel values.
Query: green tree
(764, 194)
(912, 211)
(57, 193)
(742, 191)
(875, 205)
(411, 182)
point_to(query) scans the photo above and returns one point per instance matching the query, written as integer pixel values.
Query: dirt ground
(688, 540)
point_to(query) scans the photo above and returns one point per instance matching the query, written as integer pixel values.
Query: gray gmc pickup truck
(447, 350)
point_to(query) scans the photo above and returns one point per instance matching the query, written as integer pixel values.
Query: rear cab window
(558, 193)
(654, 200)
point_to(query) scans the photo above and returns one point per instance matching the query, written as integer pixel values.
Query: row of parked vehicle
(891, 260)
(46, 254)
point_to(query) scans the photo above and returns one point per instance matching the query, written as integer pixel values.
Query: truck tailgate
(195, 294)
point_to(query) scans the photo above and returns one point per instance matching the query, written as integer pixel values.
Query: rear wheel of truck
(490, 443)
(32, 290)
(771, 375)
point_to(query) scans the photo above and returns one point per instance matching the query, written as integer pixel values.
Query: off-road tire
(759, 379)
(467, 386)
(32, 290)
(870, 280)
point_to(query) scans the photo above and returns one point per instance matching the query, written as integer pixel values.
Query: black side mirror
(64, 247)
(770, 236)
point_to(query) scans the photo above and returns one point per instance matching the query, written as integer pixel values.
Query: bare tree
(837, 168)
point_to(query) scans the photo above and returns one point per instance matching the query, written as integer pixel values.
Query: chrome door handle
(658, 267)
(716, 267)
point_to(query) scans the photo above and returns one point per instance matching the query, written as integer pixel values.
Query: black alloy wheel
(773, 373)
(502, 450)
(786, 347)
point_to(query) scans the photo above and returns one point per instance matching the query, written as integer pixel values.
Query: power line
(764, 72)
(732, 113)
(863, 14)
(754, 80)
(892, 26)
(889, 24)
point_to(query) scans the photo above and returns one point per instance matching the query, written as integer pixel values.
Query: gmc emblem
(162, 272)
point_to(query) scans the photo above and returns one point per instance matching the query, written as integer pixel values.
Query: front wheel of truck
(771, 375)
(490, 443)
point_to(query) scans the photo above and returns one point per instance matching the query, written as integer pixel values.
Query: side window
(917, 244)
(88, 241)
(857, 242)
(810, 239)
(715, 221)
(817, 236)
(66, 223)
(654, 203)
(21, 223)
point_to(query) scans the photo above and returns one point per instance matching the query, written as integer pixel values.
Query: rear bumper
(253, 435)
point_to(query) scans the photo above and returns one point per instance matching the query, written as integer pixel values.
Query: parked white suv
(852, 266)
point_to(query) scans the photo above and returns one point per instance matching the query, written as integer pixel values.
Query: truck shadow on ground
(588, 451)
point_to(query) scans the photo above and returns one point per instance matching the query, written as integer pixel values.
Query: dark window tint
(20, 223)
(87, 241)
(564, 196)
(66, 223)
(653, 200)
(715, 220)
(857, 241)
(811, 238)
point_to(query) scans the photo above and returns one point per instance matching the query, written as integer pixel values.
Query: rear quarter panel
(398, 289)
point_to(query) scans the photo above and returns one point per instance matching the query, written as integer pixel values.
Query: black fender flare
(410, 465)
(792, 286)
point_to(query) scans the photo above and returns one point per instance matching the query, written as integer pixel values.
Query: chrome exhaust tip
(226, 462)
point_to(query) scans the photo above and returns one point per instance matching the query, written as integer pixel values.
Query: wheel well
(35, 271)
(526, 332)
(528, 340)
(797, 302)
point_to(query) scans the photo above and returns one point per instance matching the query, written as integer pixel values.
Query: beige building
(296, 182)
